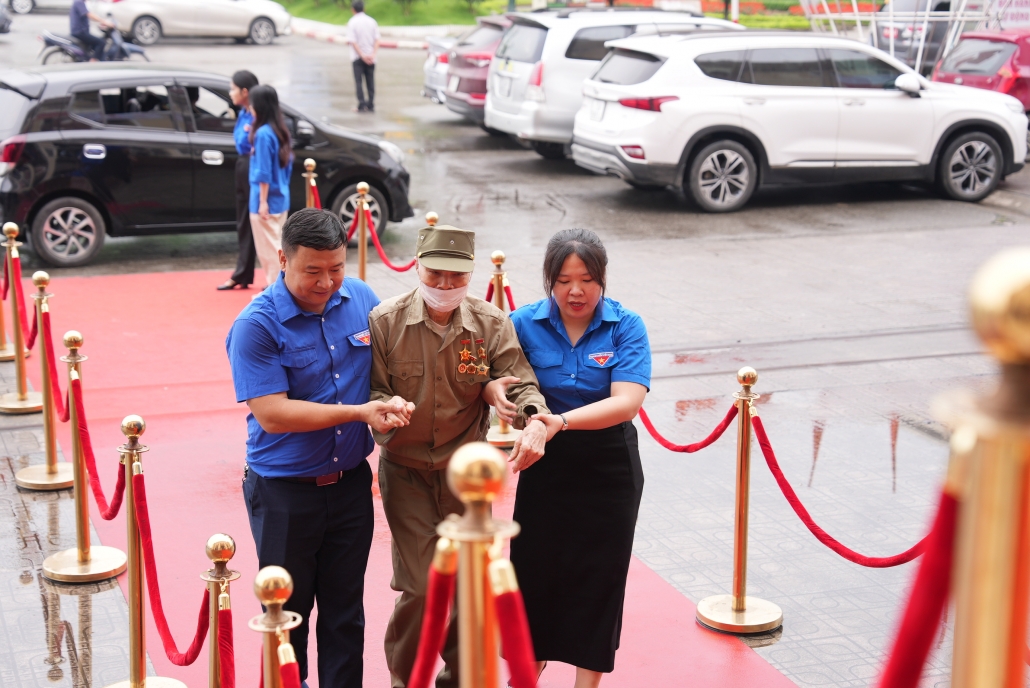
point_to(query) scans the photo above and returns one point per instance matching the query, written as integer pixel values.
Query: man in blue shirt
(79, 19)
(301, 359)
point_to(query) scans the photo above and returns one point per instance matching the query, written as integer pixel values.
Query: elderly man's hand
(402, 417)
(384, 416)
(529, 447)
(495, 393)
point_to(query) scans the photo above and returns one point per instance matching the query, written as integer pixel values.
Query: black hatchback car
(126, 150)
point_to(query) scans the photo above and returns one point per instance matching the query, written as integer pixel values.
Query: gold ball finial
(432, 218)
(309, 164)
(132, 426)
(999, 300)
(747, 376)
(220, 548)
(41, 279)
(476, 472)
(10, 230)
(497, 257)
(273, 586)
(72, 339)
(363, 188)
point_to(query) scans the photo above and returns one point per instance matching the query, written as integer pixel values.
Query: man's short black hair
(358, 5)
(317, 229)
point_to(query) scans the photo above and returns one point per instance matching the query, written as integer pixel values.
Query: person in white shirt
(364, 44)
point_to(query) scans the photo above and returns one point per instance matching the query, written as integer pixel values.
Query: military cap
(446, 248)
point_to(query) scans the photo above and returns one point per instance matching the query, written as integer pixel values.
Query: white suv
(718, 115)
(535, 84)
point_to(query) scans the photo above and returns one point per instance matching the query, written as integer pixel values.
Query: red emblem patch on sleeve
(601, 358)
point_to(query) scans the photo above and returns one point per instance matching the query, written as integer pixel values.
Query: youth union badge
(601, 358)
(362, 338)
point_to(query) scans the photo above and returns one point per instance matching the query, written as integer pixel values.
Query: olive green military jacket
(445, 383)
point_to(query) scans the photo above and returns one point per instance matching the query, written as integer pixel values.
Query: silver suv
(535, 85)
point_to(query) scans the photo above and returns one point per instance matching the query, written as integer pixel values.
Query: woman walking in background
(578, 504)
(271, 163)
(239, 90)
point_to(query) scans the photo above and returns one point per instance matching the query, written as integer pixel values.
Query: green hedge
(391, 12)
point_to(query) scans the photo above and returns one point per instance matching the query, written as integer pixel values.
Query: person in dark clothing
(80, 17)
(239, 91)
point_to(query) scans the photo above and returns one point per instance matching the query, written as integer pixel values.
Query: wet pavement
(850, 302)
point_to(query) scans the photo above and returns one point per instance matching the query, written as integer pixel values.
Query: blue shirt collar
(286, 307)
(548, 310)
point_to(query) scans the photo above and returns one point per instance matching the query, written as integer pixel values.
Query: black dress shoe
(230, 284)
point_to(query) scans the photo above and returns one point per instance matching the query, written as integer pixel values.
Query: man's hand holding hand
(495, 393)
(529, 447)
(403, 417)
(384, 416)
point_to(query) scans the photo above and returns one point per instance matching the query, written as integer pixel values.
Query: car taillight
(478, 59)
(443, 58)
(1007, 77)
(891, 32)
(636, 152)
(652, 104)
(477, 96)
(535, 87)
(10, 153)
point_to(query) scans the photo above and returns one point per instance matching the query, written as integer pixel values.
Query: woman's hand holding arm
(622, 405)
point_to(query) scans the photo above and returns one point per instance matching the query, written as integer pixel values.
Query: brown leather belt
(321, 481)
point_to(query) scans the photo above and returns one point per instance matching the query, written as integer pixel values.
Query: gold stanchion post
(6, 348)
(220, 549)
(502, 434)
(273, 587)
(50, 475)
(22, 400)
(361, 206)
(476, 475)
(131, 456)
(85, 563)
(739, 613)
(432, 218)
(990, 471)
(309, 176)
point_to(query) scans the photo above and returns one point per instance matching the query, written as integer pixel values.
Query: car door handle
(94, 151)
(854, 102)
(212, 157)
(754, 101)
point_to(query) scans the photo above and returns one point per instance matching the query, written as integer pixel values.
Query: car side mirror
(305, 132)
(909, 83)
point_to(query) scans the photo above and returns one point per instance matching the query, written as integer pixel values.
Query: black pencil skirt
(578, 509)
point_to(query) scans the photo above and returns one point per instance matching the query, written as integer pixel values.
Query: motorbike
(59, 48)
(5, 19)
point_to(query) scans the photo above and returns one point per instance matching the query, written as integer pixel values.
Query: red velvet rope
(107, 512)
(289, 674)
(926, 602)
(226, 653)
(511, 299)
(139, 493)
(4, 283)
(690, 448)
(30, 340)
(379, 247)
(60, 402)
(490, 292)
(353, 227)
(820, 534)
(439, 592)
(315, 199)
(515, 639)
(23, 317)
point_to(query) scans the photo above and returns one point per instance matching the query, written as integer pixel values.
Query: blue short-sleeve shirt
(79, 18)
(241, 132)
(324, 358)
(265, 169)
(614, 348)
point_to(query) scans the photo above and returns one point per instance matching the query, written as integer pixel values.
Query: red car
(469, 65)
(992, 60)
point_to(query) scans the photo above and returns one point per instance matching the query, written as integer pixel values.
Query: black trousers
(368, 72)
(322, 536)
(244, 273)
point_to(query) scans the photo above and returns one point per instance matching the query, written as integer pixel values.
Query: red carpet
(156, 348)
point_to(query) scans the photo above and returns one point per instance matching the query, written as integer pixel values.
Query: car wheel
(56, 56)
(346, 202)
(548, 150)
(68, 232)
(262, 31)
(722, 177)
(22, 6)
(146, 31)
(970, 167)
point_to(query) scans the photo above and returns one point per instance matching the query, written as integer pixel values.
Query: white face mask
(443, 300)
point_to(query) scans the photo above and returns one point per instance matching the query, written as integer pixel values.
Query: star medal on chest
(483, 368)
(467, 364)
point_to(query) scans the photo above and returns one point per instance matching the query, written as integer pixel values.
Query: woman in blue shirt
(578, 504)
(239, 91)
(271, 163)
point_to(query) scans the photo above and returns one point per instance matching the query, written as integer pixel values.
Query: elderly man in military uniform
(437, 347)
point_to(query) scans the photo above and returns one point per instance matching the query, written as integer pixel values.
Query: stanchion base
(37, 478)
(505, 439)
(32, 403)
(152, 682)
(760, 616)
(104, 562)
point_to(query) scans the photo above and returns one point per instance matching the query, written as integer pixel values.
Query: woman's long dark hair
(265, 102)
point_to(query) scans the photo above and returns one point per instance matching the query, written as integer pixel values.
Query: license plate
(452, 85)
(503, 87)
(596, 109)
